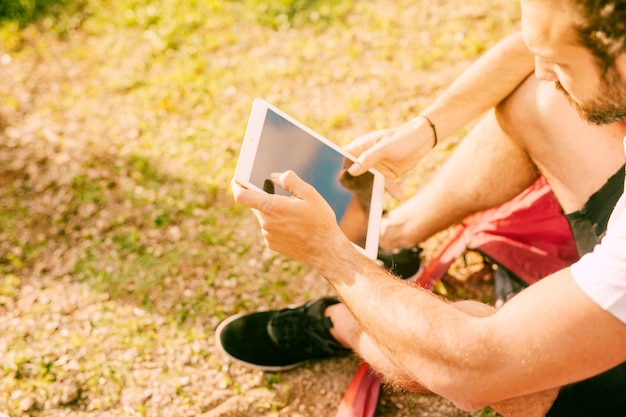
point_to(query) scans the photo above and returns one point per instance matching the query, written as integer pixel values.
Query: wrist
(433, 128)
(339, 261)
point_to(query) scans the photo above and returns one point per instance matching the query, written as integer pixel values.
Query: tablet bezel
(248, 154)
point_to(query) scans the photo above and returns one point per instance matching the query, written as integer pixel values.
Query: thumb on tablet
(366, 161)
(357, 168)
(290, 181)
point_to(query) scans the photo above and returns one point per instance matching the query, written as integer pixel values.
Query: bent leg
(485, 170)
(533, 131)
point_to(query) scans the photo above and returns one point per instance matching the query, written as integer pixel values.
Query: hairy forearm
(406, 323)
(476, 360)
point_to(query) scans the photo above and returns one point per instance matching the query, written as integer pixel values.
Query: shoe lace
(296, 330)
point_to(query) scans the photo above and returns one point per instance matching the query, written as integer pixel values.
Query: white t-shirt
(602, 273)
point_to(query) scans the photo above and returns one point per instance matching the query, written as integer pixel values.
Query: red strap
(361, 397)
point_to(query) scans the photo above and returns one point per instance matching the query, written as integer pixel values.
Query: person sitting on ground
(555, 349)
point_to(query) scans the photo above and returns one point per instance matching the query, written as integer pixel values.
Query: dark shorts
(605, 394)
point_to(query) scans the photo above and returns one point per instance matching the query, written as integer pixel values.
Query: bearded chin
(605, 109)
(584, 113)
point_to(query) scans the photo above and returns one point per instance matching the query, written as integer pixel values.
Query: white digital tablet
(275, 142)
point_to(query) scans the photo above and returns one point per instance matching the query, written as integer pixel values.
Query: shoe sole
(266, 368)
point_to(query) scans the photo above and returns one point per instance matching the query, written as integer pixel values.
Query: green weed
(26, 11)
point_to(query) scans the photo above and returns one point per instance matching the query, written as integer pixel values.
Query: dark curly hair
(602, 28)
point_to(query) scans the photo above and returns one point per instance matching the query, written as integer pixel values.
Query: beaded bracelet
(432, 125)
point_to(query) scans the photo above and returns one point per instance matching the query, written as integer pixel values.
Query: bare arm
(462, 186)
(549, 335)
(482, 86)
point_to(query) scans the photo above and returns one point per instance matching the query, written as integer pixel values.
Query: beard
(609, 103)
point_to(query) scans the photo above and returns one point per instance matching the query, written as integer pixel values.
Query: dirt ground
(86, 200)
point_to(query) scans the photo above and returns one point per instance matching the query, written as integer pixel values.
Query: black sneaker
(280, 339)
(404, 263)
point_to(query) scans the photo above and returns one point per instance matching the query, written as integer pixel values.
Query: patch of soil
(80, 202)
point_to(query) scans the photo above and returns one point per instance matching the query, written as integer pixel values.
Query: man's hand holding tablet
(275, 145)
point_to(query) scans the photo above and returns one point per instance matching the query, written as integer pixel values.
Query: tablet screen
(283, 146)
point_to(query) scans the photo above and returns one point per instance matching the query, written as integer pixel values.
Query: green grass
(24, 12)
(124, 120)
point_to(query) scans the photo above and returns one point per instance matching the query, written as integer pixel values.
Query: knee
(519, 112)
(534, 111)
